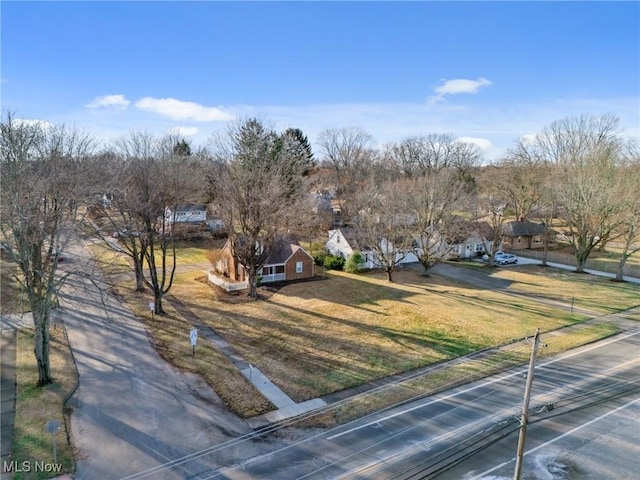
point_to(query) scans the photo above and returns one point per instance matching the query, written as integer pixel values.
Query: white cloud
(461, 85)
(180, 110)
(456, 86)
(27, 122)
(482, 143)
(528, 138)
(184, 131)
(117, 101)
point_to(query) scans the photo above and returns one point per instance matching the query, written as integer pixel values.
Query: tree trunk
(581, 260)
(157, 298)
(41, 349)
(425, 265)
(252, 282)
(139, 274)
(389, 272)
(620, 272)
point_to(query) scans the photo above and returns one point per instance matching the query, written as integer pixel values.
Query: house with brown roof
(519, 235)
(287, 261)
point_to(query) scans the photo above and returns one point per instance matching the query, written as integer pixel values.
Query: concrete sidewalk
(286, 407)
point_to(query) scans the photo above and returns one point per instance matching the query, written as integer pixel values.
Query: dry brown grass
(171, 335)
(452, 375)
(592, 292)
(12, 299)
(318, 337)
(35, 406)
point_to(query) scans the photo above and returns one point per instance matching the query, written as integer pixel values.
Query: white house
(344, 242)
(469, 239)
(186, 213)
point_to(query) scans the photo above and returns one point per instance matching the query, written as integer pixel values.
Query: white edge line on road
(519, 372)
(559, 437)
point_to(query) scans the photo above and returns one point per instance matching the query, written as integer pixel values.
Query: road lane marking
(559, 437)
(491, 382)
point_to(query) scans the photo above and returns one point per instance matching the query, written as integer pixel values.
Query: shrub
(333, 262)
(354, 263)
(319, 257)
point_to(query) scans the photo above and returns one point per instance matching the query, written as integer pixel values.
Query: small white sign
(194, 336)
(152, 306)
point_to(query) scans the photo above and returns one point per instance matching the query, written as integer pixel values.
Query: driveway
(132, 411)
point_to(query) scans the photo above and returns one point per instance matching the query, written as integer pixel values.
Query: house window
(298, 267)
(479, 247)
(279, 269)
(267, 271)
(338, 238)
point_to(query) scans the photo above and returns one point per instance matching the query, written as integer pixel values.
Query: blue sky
(490, 72)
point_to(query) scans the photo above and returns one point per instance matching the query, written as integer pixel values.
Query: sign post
(152, 307)
(193, 334)
(52, 427)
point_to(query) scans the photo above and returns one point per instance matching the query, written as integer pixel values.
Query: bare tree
(428, 154)
(520, 179)
(489, 207)
(438, 172)
(151, 176)
(384, 224)
(41, 167)
(585, 150)
(258, 187)
(349, 152)
(629, 226)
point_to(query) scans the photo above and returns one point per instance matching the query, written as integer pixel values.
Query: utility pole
(525, 406)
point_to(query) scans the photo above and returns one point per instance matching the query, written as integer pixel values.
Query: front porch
(226, 283)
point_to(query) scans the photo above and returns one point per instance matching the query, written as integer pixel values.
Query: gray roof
(191, 207)
(522, 229)
(282, 250)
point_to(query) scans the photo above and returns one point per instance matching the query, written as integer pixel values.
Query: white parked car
(505, 258)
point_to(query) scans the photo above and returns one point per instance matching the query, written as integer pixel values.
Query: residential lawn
(35, 406)
(317, 337)
(12, 299)
(322, 336)
(592, 292)
(633, 315)
(189, 253)
(455, 374)
(606, 261)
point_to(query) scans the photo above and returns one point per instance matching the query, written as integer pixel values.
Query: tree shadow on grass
(313, 360)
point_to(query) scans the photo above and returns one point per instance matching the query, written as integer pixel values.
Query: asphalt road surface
(423, 439)
(132, 411)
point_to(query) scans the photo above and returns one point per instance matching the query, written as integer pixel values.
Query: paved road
(386, 444)
(132, 411)
(599, 442)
